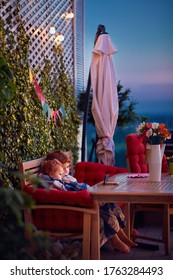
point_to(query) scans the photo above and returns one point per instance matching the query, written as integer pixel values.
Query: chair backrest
(135, 155)
(29, 167)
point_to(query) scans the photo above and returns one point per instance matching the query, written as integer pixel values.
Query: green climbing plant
(25, 131)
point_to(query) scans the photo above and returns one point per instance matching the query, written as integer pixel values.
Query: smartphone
(106, 178)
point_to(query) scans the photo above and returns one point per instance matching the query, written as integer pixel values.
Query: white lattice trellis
(38, 15)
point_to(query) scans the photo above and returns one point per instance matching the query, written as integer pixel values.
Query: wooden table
(129, 190)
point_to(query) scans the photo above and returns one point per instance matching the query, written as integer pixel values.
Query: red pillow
(43, 196)
(92, 173)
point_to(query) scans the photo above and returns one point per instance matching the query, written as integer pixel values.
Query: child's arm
(57, 184)
(69, 178)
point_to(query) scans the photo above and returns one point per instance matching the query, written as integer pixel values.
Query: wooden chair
(169, 147)
(136, 163)
(58, 213)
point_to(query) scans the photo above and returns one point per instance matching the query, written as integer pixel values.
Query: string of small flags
(46, 109)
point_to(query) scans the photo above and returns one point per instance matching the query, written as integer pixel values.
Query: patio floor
(140, 253)
(148, 225)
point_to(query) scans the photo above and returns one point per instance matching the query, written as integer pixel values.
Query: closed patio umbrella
(105, 98)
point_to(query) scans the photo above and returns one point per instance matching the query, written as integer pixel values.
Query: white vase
(154, 154)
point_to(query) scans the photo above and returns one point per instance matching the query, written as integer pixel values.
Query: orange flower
(155, 133)
(148, 125)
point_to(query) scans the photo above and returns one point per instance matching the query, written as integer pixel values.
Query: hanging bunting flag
(48, 113)
(38, 90)
(31, 76)
(62, 110)
(46, 109)
(52, 113)
(42, 103)
(54, 116)
(33, 79)
(59, 115)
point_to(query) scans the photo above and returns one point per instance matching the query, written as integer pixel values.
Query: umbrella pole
(84, 139)
(93, 149)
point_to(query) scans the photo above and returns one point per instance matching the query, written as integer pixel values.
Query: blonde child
(52, 172)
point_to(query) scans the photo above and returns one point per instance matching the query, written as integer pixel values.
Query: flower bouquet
(154, 133)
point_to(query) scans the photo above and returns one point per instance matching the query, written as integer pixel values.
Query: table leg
(166, 229)
(95, 234)
(126, 211)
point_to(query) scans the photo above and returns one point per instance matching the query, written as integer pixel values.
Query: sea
(119, 137)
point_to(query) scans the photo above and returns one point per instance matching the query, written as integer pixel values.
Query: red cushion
(135, 152)
(59, 220)
(164, 164)
(92, 173)
(43, 196)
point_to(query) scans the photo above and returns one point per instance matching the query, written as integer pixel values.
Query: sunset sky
(142, 31)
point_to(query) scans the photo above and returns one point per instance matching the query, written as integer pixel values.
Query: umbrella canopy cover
(105, 98)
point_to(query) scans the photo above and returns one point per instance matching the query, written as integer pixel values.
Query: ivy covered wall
(26, 130)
